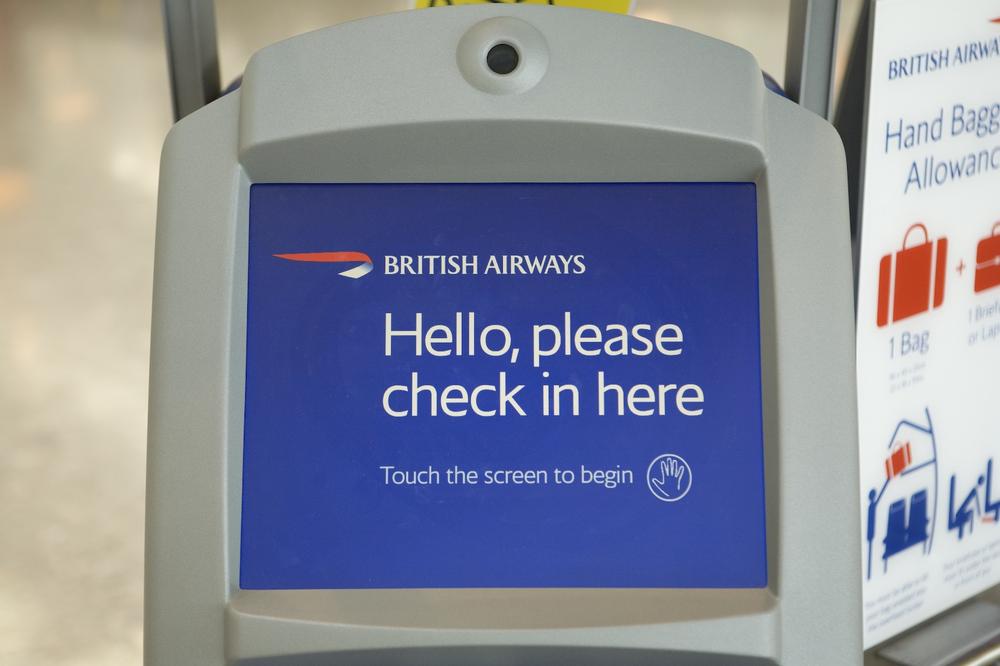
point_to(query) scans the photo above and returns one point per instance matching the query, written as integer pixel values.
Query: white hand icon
(671, 473)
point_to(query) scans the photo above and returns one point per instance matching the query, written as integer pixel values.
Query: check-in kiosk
(502, 335)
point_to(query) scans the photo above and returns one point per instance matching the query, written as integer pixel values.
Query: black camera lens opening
(502, 58)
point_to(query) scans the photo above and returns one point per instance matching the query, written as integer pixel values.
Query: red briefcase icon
(911, 280)
(988, 261)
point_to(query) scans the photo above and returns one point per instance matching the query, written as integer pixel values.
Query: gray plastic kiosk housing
(407, 98)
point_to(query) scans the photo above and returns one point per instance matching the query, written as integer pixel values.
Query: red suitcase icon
(900, 458)
(988, 261)
(911, 280)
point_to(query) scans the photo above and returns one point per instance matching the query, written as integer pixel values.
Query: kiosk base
(949, 638)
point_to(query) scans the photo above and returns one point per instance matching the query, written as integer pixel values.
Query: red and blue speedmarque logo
(363, 268)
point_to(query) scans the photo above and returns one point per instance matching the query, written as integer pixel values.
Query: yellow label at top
(614, 6)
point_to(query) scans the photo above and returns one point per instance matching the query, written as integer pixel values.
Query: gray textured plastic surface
(604, 98)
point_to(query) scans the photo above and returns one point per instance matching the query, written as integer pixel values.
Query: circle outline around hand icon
(665, 470)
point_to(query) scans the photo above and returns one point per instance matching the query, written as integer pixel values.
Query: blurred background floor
(84, 107)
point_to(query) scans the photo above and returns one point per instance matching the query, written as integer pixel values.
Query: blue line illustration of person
(870, 525)
(964, 517)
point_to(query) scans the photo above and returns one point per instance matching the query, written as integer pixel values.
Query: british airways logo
(363, 268)
(450, 264)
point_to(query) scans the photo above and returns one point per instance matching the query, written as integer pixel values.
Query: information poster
(503, 385)
(929, 311)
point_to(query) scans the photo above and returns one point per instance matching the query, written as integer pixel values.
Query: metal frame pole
(849, 117)
(192, 54)
(809, 62)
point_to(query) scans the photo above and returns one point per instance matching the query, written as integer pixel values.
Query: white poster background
(930, 380)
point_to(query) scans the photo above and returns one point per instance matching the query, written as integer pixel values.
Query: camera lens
(502, 59)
